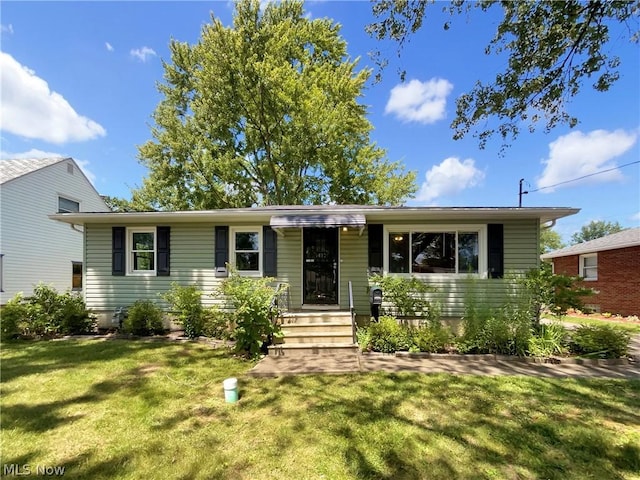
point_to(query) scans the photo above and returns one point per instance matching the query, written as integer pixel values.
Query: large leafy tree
(265, 112)
(595, 229)
(550, 240)
(552, 48)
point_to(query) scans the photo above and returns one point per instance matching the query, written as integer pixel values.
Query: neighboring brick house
(610, 265)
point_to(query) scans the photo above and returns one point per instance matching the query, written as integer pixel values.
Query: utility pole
(520, 193)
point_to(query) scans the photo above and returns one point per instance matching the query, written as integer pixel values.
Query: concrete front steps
(315, 333)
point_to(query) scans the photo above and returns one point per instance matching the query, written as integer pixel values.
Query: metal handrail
(280, 301)
(352, 309)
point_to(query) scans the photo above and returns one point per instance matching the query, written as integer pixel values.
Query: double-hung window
(589, 266)
(246, 250)
(439, 251)
(142, 250)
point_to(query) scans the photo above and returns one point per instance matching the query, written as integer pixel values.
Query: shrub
(504, 330)
(143, 318)
(388, 336)
(251, 299)
(363, 336)
(46, 312)
(74, 317)
(603, 341)
(218, 324)
(187, 305)
(556, 293)
(407, 296)
(432, 338)
(14, 317)
(551, 339)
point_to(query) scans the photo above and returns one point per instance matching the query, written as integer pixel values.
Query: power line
(582, 177)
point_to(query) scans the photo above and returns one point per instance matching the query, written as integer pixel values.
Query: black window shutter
(164, 237)
(222, 251)
(375, 248)
(118, 250)
(269, 252)
(495, 234)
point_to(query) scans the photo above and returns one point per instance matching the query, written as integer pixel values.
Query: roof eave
(372, 214)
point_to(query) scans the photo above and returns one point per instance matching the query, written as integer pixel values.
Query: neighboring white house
(34, 248)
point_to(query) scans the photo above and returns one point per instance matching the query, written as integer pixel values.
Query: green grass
(628, 326)
(131, 410)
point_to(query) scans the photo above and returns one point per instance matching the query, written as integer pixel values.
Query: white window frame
(582, 269)
(68, 199)
(232, 249)
(130, 263)
(481, 230)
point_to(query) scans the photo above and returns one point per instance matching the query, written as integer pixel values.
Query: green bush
(251, 299)
(46, 312)
(186, 303)
(407, 296)
(388, 336)
(432, 338)
(602, 341)
(504, 330)
(218, 324)
(363, 336)
(143, 318)
(14, 318)
(553, 292)
(551, 339)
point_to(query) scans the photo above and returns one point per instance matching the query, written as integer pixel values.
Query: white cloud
(636, 217)
(143, 53)
(449, 178)
(109, 46)
(578, 154)
(422, 102)
(29, 109)
(6, 28)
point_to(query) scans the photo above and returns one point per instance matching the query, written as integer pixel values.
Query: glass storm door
(320, 269)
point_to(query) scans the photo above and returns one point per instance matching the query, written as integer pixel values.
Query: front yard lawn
(631, 327)
(130, 410)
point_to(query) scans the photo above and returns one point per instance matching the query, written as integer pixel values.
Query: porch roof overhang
(281, 222)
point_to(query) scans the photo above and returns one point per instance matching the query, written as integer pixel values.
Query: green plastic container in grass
(230, 390)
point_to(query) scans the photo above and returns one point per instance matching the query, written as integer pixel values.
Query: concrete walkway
(273, 366)
(361, 363)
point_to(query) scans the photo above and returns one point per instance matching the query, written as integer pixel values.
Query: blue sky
(79, 79)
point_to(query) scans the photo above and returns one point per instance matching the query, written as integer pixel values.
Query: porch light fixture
(398, 238)
(344, 229)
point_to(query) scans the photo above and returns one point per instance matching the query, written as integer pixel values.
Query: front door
(320, 270)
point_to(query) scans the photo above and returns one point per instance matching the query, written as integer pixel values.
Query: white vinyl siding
(354, 258)
(192, 262)
(37, 249)
(290, 263)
